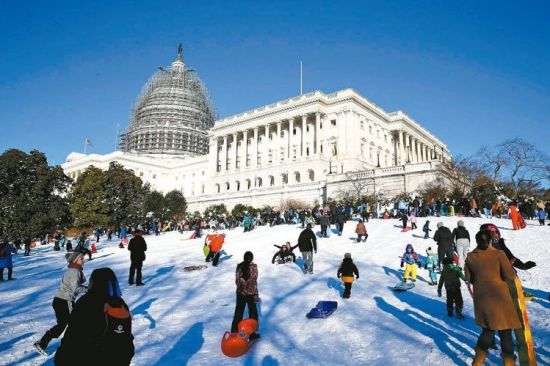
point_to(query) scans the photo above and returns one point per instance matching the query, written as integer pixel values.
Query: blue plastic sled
(323, 309)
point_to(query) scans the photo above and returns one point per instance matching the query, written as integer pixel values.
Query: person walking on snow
(361, 230)
(346, 271)
(489, 271)
(404, 218)
(411, 259)
(450, 277)
(324, 221)
(64, 300)
(340, 220)
(307, 243)
(6, 251)
(444, 239)
(137, 248)
(246, 279)
(461, 237)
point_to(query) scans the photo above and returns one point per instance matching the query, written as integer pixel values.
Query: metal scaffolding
(171, 115)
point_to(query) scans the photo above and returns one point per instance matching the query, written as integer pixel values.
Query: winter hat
(439, 224)
(347, 255)
(73, 257)
(460, 223)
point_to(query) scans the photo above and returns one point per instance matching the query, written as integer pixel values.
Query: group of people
(100, 312)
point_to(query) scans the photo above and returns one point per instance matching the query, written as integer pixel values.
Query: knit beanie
(347, 255)
(73, 257)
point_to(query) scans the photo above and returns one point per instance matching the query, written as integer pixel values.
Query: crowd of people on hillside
(101, 317)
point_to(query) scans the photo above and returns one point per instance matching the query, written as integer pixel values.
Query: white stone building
(298, 148)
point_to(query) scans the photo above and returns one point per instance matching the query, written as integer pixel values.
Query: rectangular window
(333, 122)
(294, 131)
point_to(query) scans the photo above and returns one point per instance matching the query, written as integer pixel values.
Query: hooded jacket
(410, 257)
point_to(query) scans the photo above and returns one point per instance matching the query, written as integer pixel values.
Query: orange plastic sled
(237, 344)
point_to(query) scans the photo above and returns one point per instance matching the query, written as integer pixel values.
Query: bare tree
(526, 165)
(358, 183)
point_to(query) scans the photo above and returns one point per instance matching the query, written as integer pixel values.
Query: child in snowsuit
(411, 259)
(431, 263)
(450, 276)
(426, 229)
(6, 250)
(346, 271)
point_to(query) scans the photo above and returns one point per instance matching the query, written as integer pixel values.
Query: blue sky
(473, 73)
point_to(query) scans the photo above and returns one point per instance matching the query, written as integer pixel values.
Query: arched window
(227, 186)
(271, 181)
(259, 182)
(284, 178)
(297, 177)
(311, 175)
(247, 182)
(237, 185)
(217, 188)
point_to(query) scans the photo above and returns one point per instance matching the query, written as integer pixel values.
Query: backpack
(117, 341)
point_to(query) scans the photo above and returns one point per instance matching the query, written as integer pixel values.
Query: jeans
(324, 231)
(340, 228)
(308, 261)
(243, 300)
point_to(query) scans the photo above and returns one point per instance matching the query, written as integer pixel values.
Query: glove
(530, 264)
(439, 293)
(401, 264)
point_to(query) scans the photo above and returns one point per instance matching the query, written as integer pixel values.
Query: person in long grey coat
(64, 300)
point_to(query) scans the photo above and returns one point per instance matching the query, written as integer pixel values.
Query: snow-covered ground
(179, 317)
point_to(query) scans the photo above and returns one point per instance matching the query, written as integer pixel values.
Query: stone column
(244, 162)
(318, 133)
(401, 147)
(255, 148)
(303, 135)
(290, 132)
(278, 144)
(415, 153)
(224, 154)
(265, 156)
(236, 152)
(213, 155)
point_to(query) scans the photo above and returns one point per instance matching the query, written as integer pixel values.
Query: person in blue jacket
(541, 215)
(6, 251)
(410, 258)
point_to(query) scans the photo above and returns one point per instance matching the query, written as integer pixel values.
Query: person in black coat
(137, 248)
(444, 239)
(307, 243)
(346, 271)
(324, 221)
(340, 220)
(88, 340)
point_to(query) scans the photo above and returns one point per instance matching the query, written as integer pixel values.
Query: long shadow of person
(188, 344)
(142, 309)
(448, 340)
(336, 284)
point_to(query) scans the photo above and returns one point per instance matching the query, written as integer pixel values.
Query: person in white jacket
(64, 300)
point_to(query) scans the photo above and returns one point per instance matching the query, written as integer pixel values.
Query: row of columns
(279, 144)
(412, 150)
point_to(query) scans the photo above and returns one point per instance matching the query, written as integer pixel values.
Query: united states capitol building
(302, 148)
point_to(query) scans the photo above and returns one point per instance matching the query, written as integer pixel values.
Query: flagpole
(301, 78)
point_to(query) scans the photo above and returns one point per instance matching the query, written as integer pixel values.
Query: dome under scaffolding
(172, 115)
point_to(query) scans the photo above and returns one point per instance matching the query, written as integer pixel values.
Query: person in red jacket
(215, 243)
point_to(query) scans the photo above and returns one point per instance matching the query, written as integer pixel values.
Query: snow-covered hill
(180, 317)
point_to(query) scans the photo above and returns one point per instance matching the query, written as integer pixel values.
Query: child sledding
(410, 261)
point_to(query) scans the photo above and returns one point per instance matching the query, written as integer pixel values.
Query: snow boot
(479, 358)
(42, 344)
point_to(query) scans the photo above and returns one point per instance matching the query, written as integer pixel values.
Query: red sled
(406, 229)
(93, 248)
(237, 344)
